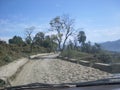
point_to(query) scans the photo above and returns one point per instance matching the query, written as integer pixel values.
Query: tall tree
(68, 24)
(16, 40)
(29, 39)
(82, 37)
(70, 45)
(87, 47)
(57, 25)
(47, 43)
(75, 43)
(54, 42)
(64, 27)
(39, 38)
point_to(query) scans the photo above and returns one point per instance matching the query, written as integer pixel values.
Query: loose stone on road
(55, 71)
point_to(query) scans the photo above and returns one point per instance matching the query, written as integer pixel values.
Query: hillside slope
(111, 45)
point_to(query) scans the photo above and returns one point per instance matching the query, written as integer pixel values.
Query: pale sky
(99, 18)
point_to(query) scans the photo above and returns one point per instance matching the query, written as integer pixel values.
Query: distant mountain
(111, 45)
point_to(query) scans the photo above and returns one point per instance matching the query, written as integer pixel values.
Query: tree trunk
(64, 44)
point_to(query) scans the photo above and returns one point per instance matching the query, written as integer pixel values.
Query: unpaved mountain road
(55, 71)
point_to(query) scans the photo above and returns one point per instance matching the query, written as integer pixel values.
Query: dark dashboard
(102, 84)
(102, 87)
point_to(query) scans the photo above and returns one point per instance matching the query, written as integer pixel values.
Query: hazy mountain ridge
(111, 45)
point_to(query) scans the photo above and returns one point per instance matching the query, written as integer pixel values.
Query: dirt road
(10, 69)
(55, 71)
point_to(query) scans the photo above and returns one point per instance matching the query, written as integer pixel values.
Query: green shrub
(7, 59)
(104, 58)
(2, 83)
(75, 54)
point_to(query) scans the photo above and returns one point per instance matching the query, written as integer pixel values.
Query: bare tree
(29, 39)
(57, 25)
(81, 37)
(64, 27)
(75, 43)
(68, 28)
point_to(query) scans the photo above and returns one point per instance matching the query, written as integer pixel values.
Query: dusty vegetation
(11, 52)
(101, 57)
(77, 47)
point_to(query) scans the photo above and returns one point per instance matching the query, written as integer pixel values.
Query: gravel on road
(56, 71)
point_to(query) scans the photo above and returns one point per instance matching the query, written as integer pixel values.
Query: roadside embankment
(8, 71)
(110, 68)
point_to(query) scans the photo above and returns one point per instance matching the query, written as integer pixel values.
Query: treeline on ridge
(69, 41)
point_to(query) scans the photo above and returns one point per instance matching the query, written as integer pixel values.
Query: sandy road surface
(10, 69)
(56, 71)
